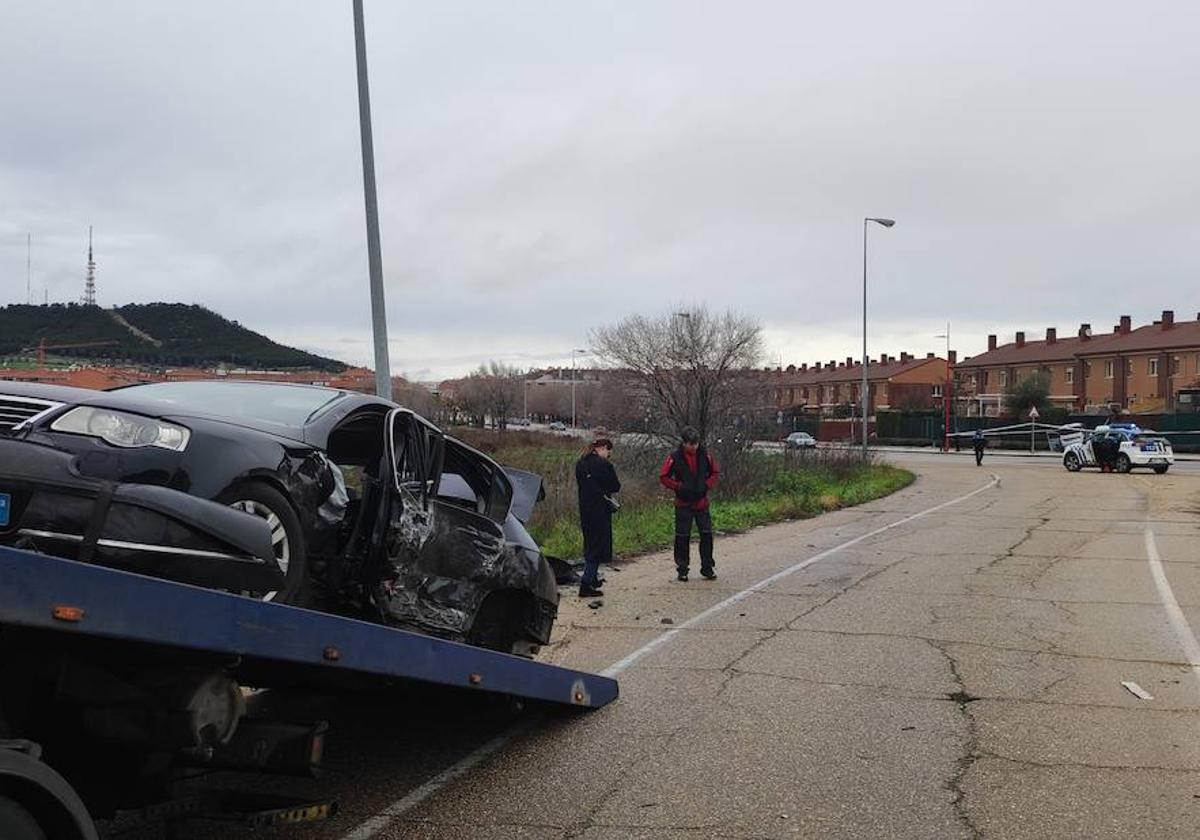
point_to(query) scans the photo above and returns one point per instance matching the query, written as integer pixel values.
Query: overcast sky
(545, 168)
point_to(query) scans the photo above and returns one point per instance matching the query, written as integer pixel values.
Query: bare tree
(689, 366)
(413, 395)
(499, 390)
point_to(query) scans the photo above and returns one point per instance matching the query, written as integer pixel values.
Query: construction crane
(42, 347)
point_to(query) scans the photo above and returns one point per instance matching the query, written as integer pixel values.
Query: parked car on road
(304, 495)
(1136, 448)
(800, 440)
(557, 426)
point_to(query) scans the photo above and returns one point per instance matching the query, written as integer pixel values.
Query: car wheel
(1162, 468)
(1071, 462)
(16, 823)
(1123, 463)
(287, 538)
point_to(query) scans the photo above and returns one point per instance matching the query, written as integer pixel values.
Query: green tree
(1029, 392)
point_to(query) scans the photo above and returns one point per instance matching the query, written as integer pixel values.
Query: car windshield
(290, 405)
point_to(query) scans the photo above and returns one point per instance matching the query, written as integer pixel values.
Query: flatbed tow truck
(113, 684)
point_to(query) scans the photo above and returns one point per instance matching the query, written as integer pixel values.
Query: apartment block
(893, 382)
(1140, 369)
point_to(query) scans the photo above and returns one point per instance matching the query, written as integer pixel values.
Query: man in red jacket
(690, 472)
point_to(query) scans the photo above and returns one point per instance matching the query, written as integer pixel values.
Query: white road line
(380, 821)
(413, 798)
(659, 641)
(1183, 631)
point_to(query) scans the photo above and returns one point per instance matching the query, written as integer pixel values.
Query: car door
(1089, 454)
(470, 507)
(440, 555)
(412, 466)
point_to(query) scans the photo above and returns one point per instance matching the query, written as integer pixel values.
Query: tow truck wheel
(1161, 468)
(1123, 463)
(1071, 462)
(16, 823)
(287, 537)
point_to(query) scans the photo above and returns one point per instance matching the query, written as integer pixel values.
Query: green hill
(161, 334)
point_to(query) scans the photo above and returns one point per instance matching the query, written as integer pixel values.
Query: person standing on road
(1105, 448)
(979, 442)
(690, 472)
(597, 480)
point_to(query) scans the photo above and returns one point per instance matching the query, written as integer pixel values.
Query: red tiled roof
(1032, 352)
(1147, 338)
(1151, 337)
(876, 372)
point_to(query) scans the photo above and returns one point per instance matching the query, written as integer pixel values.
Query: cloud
(545, 168)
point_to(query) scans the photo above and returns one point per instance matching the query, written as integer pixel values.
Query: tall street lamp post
(383, 374)
(947, 392)
(866, 394)
(574, 353)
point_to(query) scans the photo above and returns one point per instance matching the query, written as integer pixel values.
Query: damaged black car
(304, 495)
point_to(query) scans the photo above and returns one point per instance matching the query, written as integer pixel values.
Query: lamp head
(884, 222)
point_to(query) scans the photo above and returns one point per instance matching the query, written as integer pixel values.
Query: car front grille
(17, 410)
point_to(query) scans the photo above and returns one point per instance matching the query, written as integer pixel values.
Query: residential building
(1141, 369)
(893, 382)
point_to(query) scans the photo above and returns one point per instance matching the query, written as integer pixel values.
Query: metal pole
(383, 373)
(572, 389)
(865, 397)
(947, 390)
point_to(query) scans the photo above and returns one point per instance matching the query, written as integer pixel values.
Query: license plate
(5, 509)
(1158, 460)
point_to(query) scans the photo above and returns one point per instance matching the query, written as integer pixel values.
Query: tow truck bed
(75, 599)
(158, 664)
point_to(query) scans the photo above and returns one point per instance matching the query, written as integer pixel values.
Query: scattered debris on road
(668, 621)
(1136, 690)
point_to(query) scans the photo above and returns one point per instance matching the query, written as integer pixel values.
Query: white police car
(1135, 447)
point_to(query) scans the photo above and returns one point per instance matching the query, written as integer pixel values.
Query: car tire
(1123, 464)
(1162, 468)
(16, 823)
(1071, 462)
(260, 499)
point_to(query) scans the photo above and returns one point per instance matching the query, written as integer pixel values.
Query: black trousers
(684, 517)
(597, 548)
(978, 455)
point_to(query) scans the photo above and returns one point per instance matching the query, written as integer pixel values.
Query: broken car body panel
(447, 553)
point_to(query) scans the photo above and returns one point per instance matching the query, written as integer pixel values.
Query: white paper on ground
(1136, 690)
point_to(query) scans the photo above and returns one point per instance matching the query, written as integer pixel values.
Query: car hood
(127, 400)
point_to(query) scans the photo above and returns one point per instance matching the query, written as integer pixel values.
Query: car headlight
(121, 429)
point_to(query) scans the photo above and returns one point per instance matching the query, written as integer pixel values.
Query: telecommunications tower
(89, 287)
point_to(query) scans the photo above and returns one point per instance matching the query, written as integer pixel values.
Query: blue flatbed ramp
(271, 643)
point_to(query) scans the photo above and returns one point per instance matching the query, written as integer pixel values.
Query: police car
(1136, 447)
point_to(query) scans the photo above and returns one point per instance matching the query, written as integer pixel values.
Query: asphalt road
(948, 665)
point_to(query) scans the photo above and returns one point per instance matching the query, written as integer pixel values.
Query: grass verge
(650, 526)
(756, 488)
